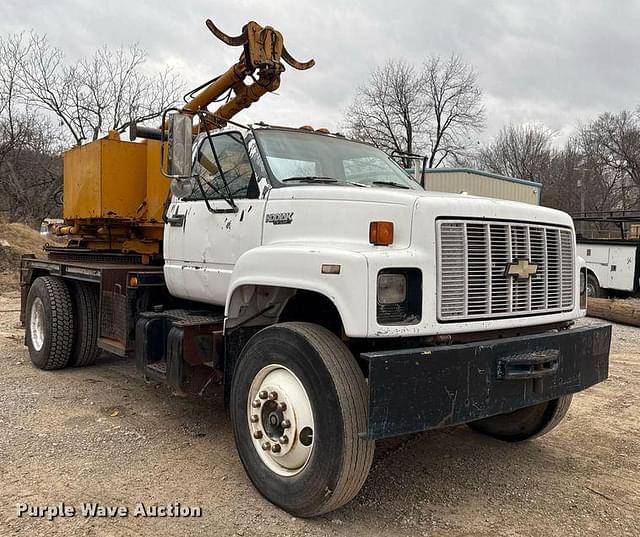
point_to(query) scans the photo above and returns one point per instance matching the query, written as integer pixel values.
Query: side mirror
(182, 188)
(179, 145)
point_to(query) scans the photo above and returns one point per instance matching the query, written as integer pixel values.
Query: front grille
(473, 259)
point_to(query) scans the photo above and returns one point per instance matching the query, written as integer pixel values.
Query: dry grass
(22, 240)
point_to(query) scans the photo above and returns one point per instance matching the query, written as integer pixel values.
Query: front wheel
(593, 287)
(298, 404)
(526, 423)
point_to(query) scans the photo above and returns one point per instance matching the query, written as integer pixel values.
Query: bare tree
(46, 102)
(573, 183)
(612, 141)
(573, 180)
(522, 151)
(29, 163)
(432, 111)
(454, 102)
(95, 94)
(389, 110)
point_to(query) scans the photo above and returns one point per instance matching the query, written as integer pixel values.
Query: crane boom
(114, 190)
(262, 59)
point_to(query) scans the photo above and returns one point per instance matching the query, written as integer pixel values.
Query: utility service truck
(610, 244)
(334, 299)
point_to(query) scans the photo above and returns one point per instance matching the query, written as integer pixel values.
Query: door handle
(176, 220)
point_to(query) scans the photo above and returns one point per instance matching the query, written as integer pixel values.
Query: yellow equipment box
(110, 179)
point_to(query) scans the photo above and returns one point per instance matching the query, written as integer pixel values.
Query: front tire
(593, 287)
(525, 423)
(49, 330)
(298, 404)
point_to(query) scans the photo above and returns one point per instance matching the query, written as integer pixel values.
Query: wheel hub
(36, 324)
(280, 420)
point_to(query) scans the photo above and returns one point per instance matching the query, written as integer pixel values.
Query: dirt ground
(100, 434)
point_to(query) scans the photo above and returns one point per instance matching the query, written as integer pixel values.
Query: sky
(556, 63)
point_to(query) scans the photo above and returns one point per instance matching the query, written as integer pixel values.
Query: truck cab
(307, 211)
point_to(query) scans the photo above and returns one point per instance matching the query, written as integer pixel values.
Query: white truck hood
(346, 219)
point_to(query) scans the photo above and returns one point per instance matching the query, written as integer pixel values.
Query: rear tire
(526, 423)
(49, 330)
(85, 315)
(323, 462)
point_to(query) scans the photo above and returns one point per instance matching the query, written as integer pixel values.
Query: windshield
(310, 158)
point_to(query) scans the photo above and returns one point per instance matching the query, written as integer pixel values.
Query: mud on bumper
(414, 390)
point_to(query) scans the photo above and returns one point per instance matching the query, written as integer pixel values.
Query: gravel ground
(100, 434)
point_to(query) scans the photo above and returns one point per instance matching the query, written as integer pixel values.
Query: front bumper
(414, 390)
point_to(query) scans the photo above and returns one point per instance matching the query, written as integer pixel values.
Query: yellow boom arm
(263, 53)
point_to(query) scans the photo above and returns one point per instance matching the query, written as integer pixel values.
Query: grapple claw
(236, 41)
(301, 66)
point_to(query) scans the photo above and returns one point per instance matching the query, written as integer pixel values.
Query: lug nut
(282, 406)
(276, 448)
(273, 396)
(266, 446)
(254, 418)
(284, 439)
(285, 424)
(256, 404)
(257, 435)
(263, 394)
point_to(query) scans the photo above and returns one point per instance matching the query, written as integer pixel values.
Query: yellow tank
(114, 195)
(113, 179)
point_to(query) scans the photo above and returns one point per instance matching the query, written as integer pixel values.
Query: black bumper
(415, 390)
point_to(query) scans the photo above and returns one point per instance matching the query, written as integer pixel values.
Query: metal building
(479, 183)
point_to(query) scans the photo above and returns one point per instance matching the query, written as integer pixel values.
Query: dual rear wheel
(61, 323)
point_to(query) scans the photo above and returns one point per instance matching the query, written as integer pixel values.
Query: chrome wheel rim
(280, 420)
(36, 324)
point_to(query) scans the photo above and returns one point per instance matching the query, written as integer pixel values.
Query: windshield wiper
(311, 179)
(390, 183)
(323, 179)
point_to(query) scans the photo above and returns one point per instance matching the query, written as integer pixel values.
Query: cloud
(548, 62)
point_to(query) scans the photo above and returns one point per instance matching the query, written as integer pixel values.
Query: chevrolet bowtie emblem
(522, 269)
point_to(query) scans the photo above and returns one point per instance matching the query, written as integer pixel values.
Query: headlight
(399, 299)
(392, 288)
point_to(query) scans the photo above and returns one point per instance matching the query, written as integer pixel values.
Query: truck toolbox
(413, 390)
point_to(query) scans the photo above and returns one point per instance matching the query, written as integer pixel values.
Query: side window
(234, 168)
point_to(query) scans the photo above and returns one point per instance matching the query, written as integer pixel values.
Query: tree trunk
(619, 311)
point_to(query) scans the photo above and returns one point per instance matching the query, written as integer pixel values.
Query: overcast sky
(552, 62)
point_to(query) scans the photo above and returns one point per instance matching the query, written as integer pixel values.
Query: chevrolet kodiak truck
(334, 299)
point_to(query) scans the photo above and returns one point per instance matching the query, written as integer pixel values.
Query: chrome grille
(473, 258)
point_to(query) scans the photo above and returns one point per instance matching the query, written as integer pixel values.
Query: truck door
(204, 235)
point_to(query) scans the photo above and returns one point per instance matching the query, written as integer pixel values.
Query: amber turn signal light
(381, 233)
